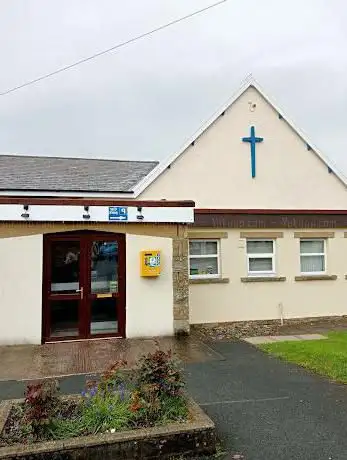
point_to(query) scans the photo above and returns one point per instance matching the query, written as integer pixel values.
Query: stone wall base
(267, 327)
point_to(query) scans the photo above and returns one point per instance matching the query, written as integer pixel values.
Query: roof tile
(35, 173)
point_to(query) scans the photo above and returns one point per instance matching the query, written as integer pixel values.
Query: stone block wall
(180, 248)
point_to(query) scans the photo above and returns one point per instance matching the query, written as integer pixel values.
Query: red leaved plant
(41, 405)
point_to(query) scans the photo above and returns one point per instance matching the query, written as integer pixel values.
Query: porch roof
(59, 174)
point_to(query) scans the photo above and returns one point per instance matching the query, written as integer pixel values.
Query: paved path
(24, 362)
(263, 408)
(283, 338)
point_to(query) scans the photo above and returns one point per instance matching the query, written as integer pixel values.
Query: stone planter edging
(196, 437)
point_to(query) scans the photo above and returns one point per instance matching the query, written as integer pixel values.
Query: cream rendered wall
(149, 301)
(21, 290)
(238, 301)
(216, 171)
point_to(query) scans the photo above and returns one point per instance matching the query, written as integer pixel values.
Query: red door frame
(85, 240)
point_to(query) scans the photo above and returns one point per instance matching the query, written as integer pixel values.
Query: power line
(113, 48)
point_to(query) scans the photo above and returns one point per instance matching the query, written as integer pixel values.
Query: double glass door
(84, 286)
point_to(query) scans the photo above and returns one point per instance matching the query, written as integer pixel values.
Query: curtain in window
(260, 264)
(312, 264)
(197, 248)
(315, 262)
(203, 266)
(259, 247)
(309, 247)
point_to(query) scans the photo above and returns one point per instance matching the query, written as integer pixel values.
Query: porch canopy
(33, 209)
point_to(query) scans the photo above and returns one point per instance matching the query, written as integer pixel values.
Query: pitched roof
(35, 173)
(250, 83)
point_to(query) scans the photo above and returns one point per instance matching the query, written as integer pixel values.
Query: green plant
(112, 378)
(109, 404)
(95, 414)
(173, 408)
(105, 412)
(40, 406)
(62, 428)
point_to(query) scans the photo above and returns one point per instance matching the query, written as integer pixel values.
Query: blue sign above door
(118, 213)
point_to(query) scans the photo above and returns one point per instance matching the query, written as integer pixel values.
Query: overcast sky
(144, 100)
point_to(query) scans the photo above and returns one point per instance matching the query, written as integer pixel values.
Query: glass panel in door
(64, 315)
(64, 298)
(104, 287)
(104, 267)
(104, 316)
(65, 267)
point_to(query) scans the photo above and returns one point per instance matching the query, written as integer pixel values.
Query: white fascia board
(111, 214)
(158, 170)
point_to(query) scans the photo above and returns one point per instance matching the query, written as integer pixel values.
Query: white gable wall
(216, 170)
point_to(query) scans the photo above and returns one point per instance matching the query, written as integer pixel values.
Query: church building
(247, 222)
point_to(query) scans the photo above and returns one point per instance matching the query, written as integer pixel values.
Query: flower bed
(150, 400)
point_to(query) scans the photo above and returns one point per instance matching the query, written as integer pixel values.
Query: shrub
(161, 370)
(41, 405)
(145, 406)
(111, 378)
(158, 381)
(112, 403)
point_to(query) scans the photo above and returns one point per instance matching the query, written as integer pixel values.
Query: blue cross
(252, 140)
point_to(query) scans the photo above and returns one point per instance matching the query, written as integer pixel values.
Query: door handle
(81, 291)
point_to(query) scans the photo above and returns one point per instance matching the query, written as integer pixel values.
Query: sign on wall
(118, 213)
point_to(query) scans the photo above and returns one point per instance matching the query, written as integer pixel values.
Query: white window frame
(307, 254)
(204, 256)
(265, 255)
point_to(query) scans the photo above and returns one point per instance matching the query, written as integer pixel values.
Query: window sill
(208, 280)
(262, 279)
(315, 277)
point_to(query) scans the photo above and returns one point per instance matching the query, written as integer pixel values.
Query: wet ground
(25, 362)
(263, 408)
(266, 409)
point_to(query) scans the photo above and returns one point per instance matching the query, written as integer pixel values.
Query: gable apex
(250, 83)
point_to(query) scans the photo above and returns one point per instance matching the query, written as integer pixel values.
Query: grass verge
(325, 357)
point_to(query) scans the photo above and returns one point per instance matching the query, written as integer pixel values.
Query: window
(260, 257)
(312, 256)
(204, 258)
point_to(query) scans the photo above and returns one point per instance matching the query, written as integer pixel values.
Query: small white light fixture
(86, 214)
(25, 214)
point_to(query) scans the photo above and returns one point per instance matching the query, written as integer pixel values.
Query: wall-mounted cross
(253, 140)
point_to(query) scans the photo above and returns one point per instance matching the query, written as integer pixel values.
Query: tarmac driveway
(266, 409)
